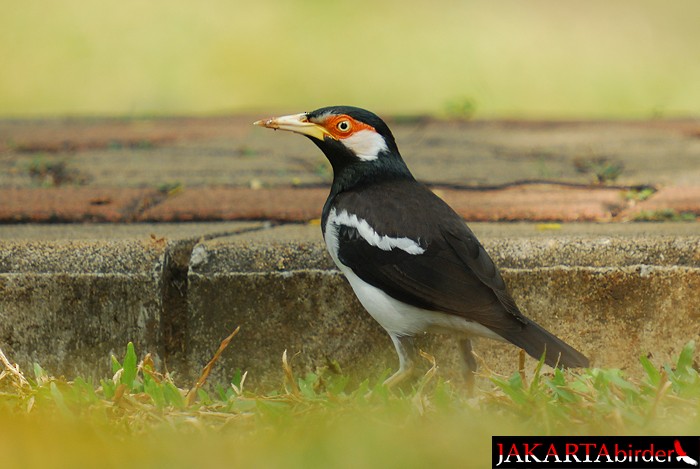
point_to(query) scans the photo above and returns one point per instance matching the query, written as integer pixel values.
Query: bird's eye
(343, 126)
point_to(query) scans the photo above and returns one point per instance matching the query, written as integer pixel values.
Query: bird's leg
(470, 366)
(407, 353)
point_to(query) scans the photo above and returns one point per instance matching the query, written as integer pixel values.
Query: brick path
(209, 169)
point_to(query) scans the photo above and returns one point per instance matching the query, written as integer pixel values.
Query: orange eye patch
(343, 126)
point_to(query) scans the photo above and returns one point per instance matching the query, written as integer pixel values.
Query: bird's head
(350, 137)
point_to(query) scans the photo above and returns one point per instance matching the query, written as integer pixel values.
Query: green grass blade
(130, 366)
(685, 359)
(652, 373)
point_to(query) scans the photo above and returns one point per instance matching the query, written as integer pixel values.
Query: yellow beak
(298, 123)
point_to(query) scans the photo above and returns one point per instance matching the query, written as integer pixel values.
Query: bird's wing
(470, 251)
(452, 275)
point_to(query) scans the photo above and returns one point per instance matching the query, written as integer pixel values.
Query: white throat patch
(385, 243)
(366, 144)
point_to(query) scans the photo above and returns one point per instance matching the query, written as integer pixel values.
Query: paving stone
(226, 203)
(536, 203)
(676, 200)
(74, 204)
(530, 202)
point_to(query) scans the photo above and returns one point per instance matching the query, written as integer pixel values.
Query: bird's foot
(399, 377)
(470, 365)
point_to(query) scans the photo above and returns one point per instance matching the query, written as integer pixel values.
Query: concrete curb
(67, 302)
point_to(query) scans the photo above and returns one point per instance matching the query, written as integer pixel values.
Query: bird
(411, 260)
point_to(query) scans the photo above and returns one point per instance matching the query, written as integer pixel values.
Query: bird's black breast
(395, 208)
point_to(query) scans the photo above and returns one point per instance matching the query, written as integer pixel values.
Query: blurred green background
(538, 59)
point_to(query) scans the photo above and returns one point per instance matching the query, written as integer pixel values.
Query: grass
(639, 195)
(545, 58)
(666, 214)
(602, 168)
(170, 188)
(51, 171)
(139, 417)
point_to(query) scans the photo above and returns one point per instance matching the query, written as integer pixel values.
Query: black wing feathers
(454, 274)
(436, 280)
(470, 251)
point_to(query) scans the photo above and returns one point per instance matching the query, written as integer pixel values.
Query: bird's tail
(536, 341)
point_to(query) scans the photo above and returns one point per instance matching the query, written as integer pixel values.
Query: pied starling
(411, 260)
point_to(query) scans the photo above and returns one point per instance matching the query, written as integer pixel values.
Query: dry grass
(139, 417)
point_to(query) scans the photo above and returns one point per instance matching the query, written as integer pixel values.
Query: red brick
(233, 203)
(74, 135)
(536, 203)
(74, 204)
(528, 202)
(680, 199)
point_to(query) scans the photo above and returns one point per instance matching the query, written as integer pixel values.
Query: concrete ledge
(614, 291)
(70, 323)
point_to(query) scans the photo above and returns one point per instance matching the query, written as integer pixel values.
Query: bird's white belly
(397, 317)
(394, 316)
(406, 320)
